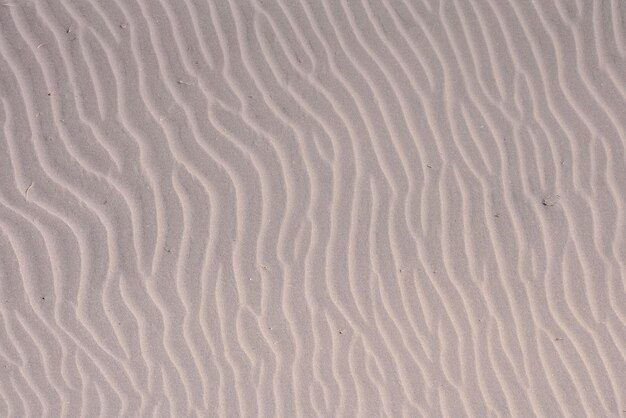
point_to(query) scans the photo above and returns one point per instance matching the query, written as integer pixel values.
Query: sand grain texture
(294, 208)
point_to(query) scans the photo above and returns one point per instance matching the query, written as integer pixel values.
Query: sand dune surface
(313, 208)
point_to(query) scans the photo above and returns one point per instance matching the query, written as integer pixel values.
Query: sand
(301, 208)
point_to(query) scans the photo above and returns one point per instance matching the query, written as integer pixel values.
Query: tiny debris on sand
(550, 200)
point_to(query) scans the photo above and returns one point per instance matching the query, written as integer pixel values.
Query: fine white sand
(300, 208)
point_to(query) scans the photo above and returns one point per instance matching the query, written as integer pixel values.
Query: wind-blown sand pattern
(334, 208)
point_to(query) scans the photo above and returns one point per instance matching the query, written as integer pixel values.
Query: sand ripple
(312, 208)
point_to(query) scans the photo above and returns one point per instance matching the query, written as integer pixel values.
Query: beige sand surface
(301, 208)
